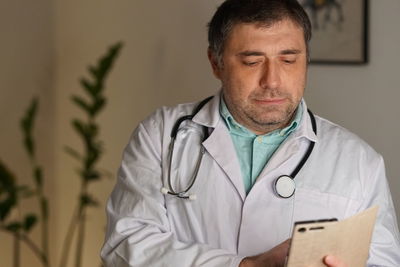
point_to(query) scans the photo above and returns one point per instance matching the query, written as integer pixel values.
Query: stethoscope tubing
(174, 132)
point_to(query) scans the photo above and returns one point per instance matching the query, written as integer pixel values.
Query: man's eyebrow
(290, 52)
(249, 53)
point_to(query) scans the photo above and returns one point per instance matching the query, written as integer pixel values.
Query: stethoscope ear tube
(183, 195)
(174, 132)
(175, 129)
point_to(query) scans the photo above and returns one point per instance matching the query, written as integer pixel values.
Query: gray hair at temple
(263, 12)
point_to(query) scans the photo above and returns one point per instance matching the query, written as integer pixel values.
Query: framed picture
(340, 31)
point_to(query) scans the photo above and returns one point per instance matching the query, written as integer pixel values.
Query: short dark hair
(264, 12)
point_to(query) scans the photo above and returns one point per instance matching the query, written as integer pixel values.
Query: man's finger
(332, 261)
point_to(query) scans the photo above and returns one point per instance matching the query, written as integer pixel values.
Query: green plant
(88, 131)
(12, 194)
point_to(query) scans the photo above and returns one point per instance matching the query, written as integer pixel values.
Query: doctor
(234, 150)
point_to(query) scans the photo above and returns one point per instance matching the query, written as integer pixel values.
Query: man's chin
(272, 119)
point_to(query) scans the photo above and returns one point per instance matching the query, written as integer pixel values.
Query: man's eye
(289, 61)
(251, 63)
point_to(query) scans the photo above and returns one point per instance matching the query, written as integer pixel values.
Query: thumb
(332, 261)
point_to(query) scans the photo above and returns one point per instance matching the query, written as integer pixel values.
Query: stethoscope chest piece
(285, 186)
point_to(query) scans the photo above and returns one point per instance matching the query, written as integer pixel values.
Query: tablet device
(347, 240)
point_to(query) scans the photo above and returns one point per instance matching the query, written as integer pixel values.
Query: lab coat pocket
(311, 204)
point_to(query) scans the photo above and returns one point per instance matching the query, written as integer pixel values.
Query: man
(256, 130)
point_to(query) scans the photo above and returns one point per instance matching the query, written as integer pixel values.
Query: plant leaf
(5, 208)
(92, 157)
(80, 102)
(92, 70)
(44, 207)
(107, 61)
(27, 123)
(8, 192)
(7, 179)
(91, 175)
(73, 153)
(88, 86)
(98, 106)
(80, 127)
(103, 67)
(13, 227)
(38, 175)
(87, 200)
(92, 130)
(29, 222)
(29, 146)
(30, 113)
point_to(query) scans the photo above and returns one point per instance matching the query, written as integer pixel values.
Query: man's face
(263, 74)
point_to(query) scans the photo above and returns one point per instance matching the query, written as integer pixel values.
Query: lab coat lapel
(221, 149)
(284, 153)
(219, 144)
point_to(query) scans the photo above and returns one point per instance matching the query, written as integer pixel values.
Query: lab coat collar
(305, 128)
(209, 116)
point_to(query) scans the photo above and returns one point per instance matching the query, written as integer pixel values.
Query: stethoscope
(284, 185)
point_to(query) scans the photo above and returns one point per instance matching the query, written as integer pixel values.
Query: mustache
(270, 94)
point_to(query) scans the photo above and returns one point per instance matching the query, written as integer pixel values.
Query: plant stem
(44, 230)
(45, 239)
(80, 240)
(43, 212)
(18, 237)
(68, 239)
(40, 254)
(17, 247)
(81, 233)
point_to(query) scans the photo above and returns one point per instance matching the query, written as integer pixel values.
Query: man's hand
(272, 258)
(332, 261)
(276, 257)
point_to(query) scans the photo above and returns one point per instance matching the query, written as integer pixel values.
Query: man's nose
(270, 77)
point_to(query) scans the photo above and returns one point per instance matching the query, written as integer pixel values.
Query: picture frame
(340, 31)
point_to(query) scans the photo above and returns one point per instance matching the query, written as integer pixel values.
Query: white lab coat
(343, 176)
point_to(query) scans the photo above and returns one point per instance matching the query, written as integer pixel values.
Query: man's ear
(212, 57)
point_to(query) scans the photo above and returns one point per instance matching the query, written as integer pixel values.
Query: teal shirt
(253, 150)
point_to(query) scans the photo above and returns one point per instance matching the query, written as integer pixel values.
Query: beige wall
(163, 62)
